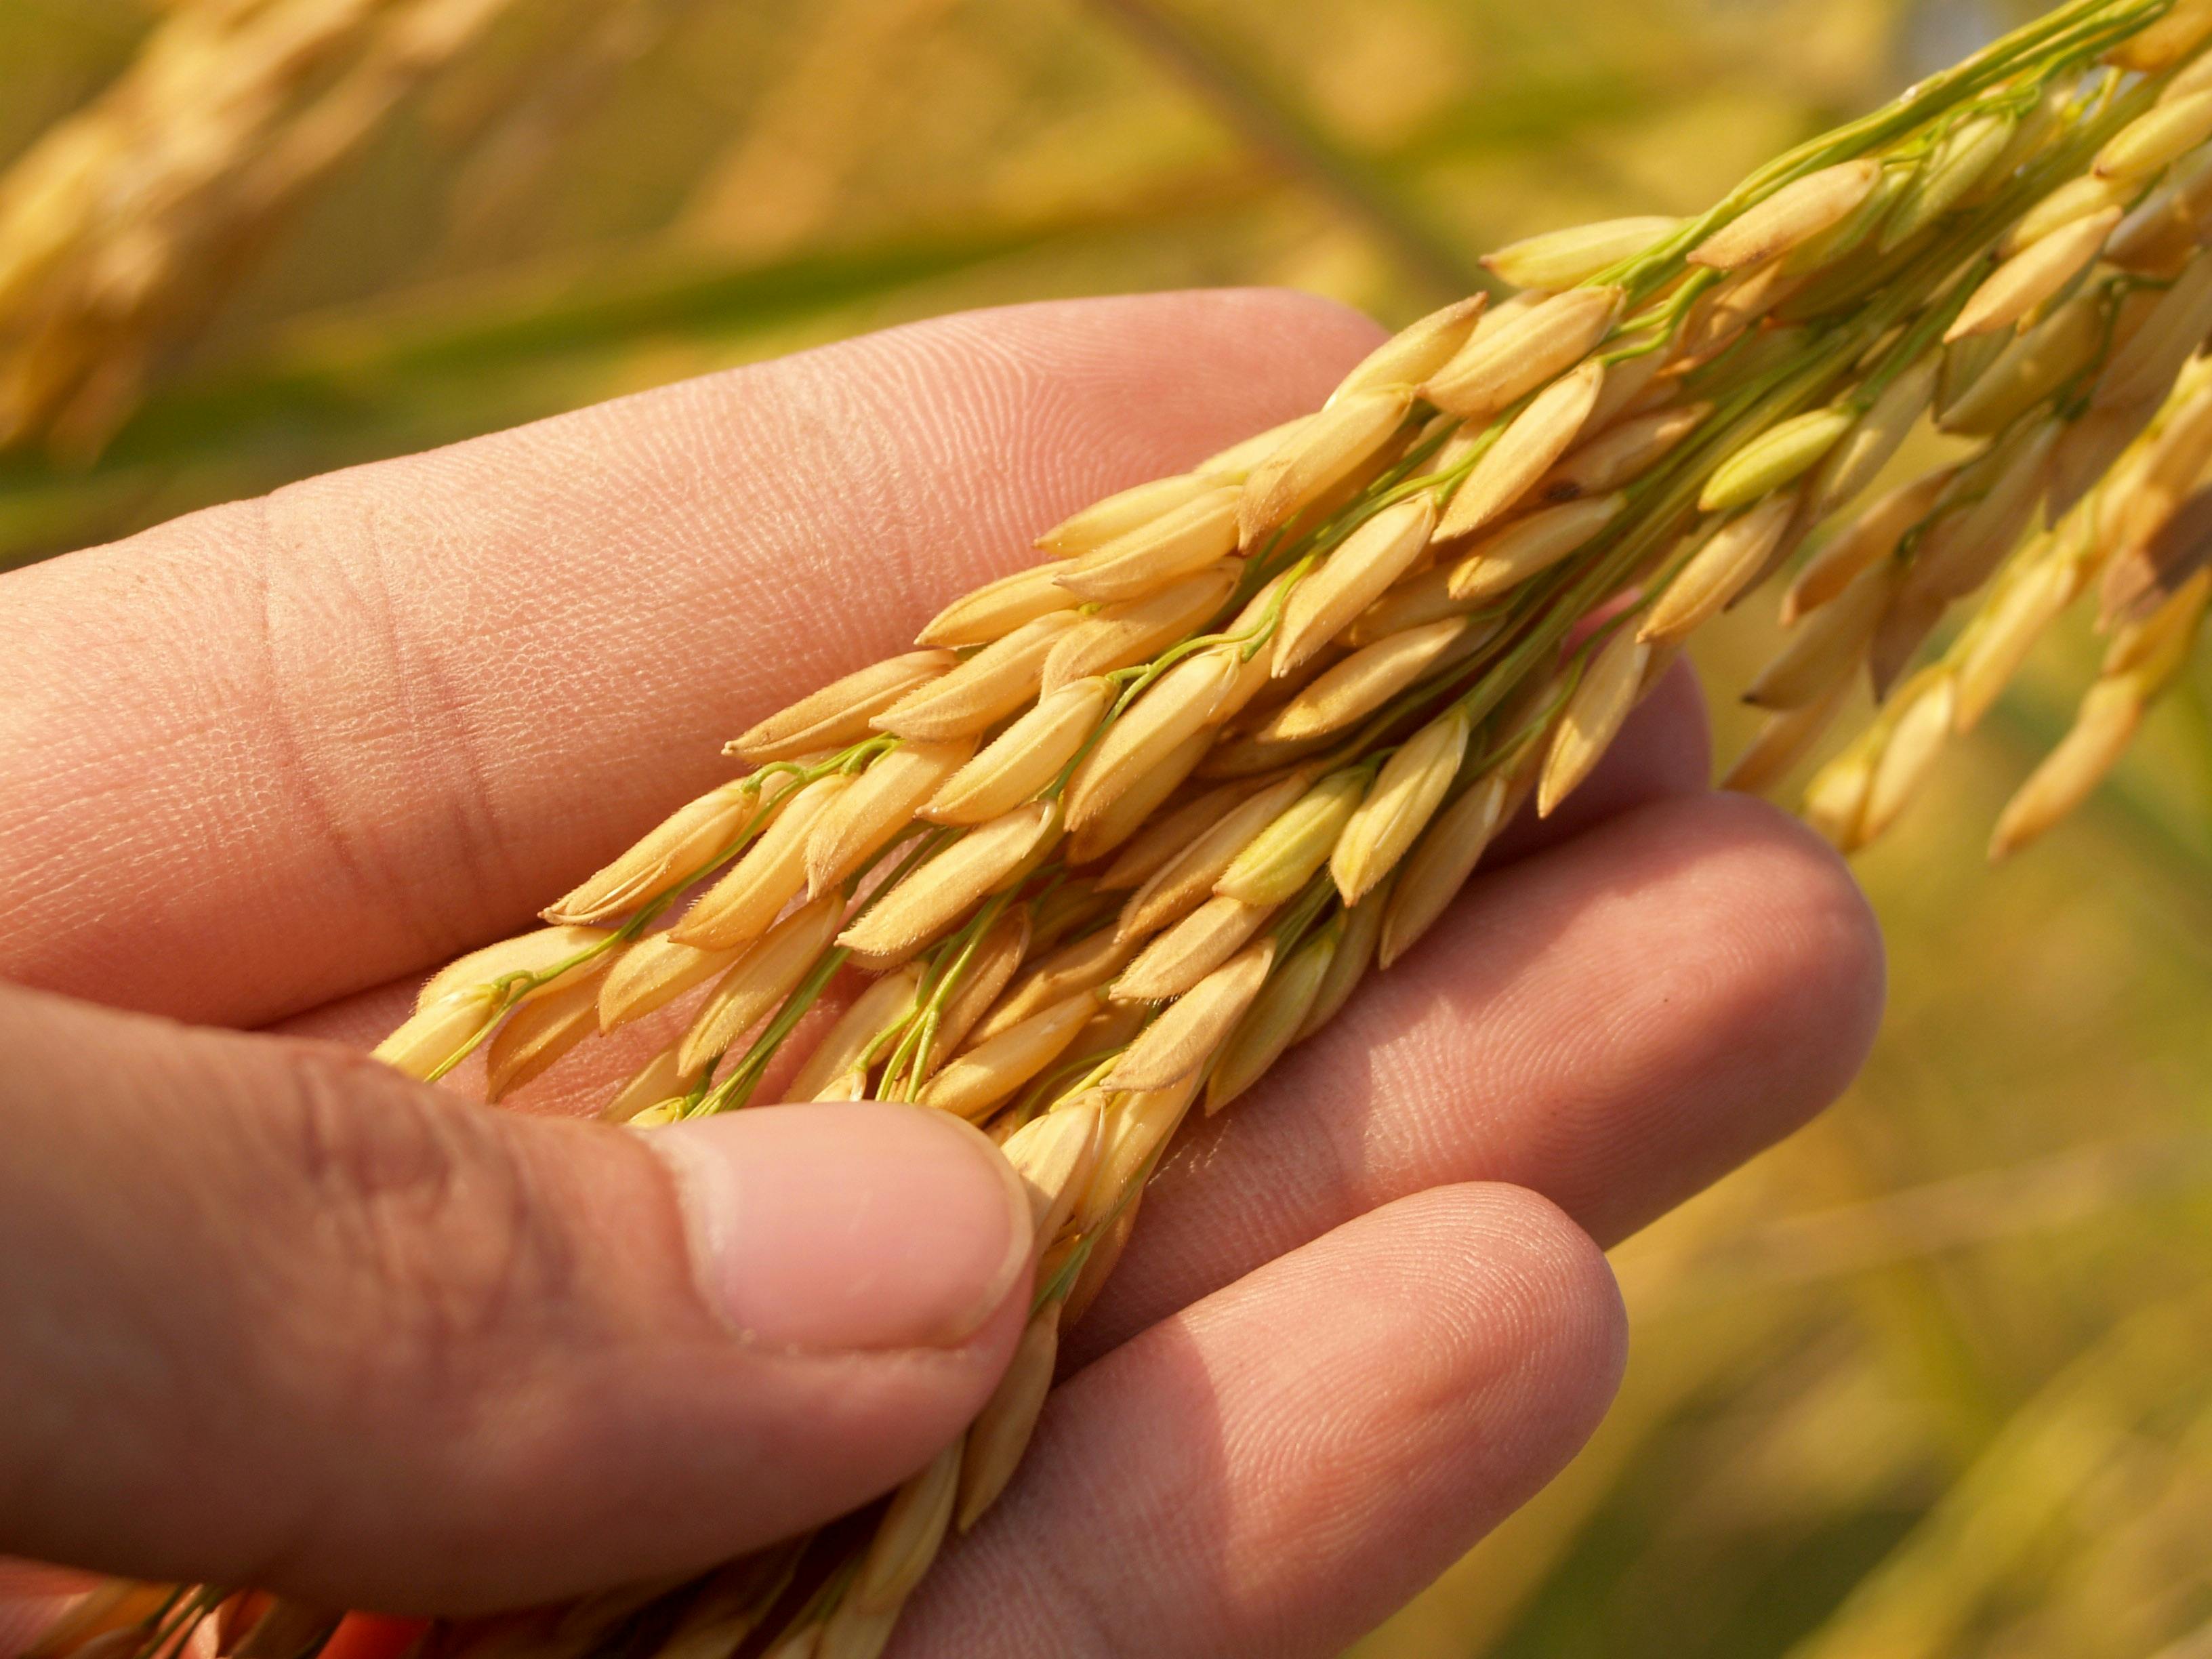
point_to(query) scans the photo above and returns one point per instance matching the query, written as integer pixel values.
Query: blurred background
(1933, 1379)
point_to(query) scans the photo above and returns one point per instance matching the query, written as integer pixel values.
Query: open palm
(273, 1314)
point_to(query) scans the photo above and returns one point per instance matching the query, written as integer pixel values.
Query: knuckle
(323, 556)
(438, 1241)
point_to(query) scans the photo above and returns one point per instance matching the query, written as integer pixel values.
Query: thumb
(274, 1315)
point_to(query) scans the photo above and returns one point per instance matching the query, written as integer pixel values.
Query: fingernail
(848, 1224)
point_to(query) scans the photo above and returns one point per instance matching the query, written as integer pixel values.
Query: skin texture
(274, 1315)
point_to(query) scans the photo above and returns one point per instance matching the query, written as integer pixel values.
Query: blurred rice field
(1933, 1379)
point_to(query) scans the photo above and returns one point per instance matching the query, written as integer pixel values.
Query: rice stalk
(1129, 825)
(113, 250)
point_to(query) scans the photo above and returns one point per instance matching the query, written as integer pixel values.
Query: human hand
(274, 1315)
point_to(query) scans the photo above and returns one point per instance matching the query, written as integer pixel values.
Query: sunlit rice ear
(1138, 818)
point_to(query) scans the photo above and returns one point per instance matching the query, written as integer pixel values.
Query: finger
(1273, 1470)
(387, 714)
(1613, 1023)
(278, 1316)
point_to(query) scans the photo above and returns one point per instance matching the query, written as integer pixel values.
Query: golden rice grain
(1524, 452)
(1795, 214)
(1415, 352)
(1778, 456)
(985, 688)
(1140, 1124)
(1958, 553)
(1167, 836)
(1507, 557)
(1177, 959)
(1567, 259)
(1501, 365)
(1136, 630)
(773, 872)
(907, 1536)
(655, 971)
(1128, 811)
(662, 1077)
(1406, 795)
(1872, 536)
(992, 965)
(1439, 864)
(2016, 618)
(1189, 949)
(2106, 723)
(1781, 742)
(1177, 707)
(1602, 700)
(2152, 140)
(2168, 40)
(1054, 1155)
(932, 896)
(1414, 600)
(681, 843)
(1732, 557)
(1024, 757)
(1194, 537)
(1366, 680)
(433, 1034)
(1272, 1023)
(839, 711)
(990, 1071)
(1835, 799)
(864, 819)
(887, 1003)
(1620, 452)
(1862, 452)
(537, 1035)
(1828, 644)
(1003, 1428)
(1961, 160)
(1360, 569)
(1185, 881)
(2163, 231)
(1918, 727)
(1322, 452)
(1235, 464)
(1175, 1046)
(2027, 279)
(1082, 964)
(534, 954)
(768, 973)
(1356, 931)
(2144, 365)
(2076, 199)
(1289, 852)
(1103, 1254)
(996, 610)
(1128, 510)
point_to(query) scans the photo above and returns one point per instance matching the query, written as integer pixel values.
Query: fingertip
(1543, 1291)
(1823, 941)
(848, 1225)
(1319, 1439)
(1770, 995)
